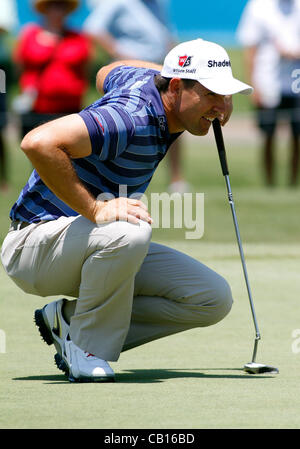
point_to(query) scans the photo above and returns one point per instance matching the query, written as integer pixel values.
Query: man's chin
(200, 132)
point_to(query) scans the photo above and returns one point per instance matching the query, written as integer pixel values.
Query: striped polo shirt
(129, 137)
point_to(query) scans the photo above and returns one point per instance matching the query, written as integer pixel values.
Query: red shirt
(55, 67)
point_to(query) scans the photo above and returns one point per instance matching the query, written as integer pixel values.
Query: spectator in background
(136, 29)
(53, 61)
(270, 32)
(8, 20)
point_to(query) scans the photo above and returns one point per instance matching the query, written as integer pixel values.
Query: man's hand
(121, 209)
(228, 109)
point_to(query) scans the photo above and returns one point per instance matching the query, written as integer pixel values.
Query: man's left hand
(228, 109)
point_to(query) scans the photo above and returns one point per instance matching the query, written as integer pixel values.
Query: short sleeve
(111, 129)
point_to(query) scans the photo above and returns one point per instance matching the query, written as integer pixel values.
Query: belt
(17, 225)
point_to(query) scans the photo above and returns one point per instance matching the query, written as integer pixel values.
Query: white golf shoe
(52, 325)
(81, 366)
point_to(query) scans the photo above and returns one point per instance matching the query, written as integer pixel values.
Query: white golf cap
(205, 62)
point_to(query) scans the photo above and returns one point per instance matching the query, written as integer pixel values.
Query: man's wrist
(95, 210)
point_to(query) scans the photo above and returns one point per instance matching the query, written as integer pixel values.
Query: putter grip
(220, 145)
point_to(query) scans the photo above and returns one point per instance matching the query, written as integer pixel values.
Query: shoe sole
(44, 331)
(62, 365)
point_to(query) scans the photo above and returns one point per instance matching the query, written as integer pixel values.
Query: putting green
(192, 380)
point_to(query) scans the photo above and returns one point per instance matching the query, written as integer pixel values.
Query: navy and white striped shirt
(129, 137)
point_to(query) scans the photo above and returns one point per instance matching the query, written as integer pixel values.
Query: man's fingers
(228, 110)
(132, 207)
(138, 203)
(140, 213)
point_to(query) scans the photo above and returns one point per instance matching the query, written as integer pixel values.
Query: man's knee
(139, 237)
(222, 299)
(217, 304)
(131, 241)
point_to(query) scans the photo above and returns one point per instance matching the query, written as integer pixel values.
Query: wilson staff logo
(185, 61)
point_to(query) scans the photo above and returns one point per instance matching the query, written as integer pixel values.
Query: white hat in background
(206, 62)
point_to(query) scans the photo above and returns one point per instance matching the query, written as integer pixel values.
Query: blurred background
(268, 209)
(215, 21)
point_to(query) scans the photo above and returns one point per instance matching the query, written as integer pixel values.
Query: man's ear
(175, 90)
(176, 86)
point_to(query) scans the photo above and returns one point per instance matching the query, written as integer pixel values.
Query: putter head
(259, 368)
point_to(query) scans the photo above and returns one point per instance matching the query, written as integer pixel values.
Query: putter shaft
(222, 156)
(237, 231)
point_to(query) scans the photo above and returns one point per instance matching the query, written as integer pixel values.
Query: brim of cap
(226, 86)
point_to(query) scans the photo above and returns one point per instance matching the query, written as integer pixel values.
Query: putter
(251, 367)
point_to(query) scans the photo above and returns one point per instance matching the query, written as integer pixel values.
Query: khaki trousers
(129, 291)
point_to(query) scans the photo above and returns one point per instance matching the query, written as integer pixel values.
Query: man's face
(196, 107)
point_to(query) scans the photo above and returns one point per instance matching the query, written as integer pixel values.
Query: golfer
(75, 233)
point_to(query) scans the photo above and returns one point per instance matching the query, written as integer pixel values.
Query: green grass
(190, 380)
(195, 379)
